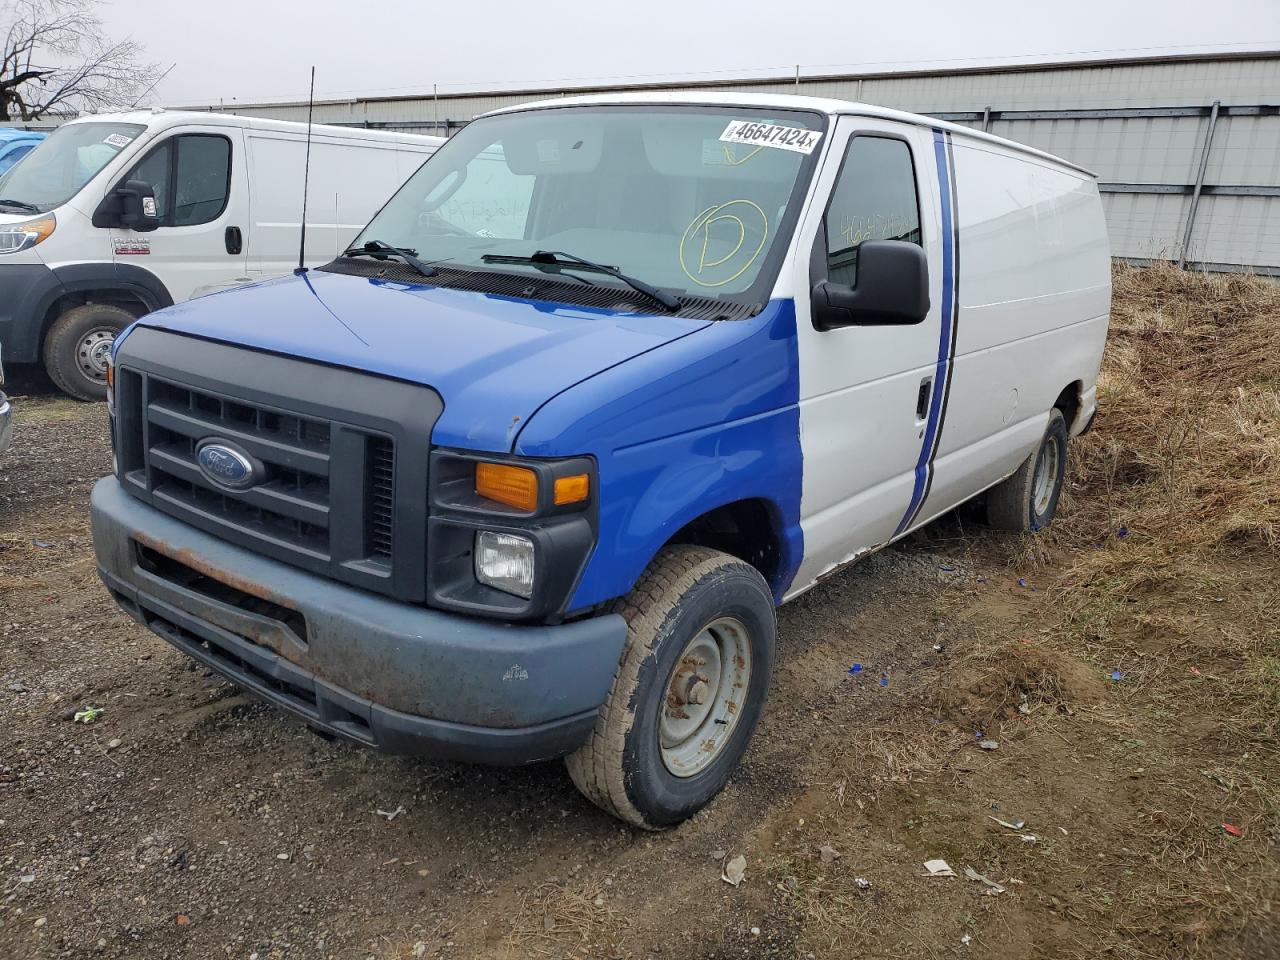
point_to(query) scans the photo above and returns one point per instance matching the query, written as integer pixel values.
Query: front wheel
(1027, 501)
(78, 347)
(689, 690)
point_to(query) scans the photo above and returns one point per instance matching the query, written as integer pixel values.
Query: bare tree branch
(56, 60)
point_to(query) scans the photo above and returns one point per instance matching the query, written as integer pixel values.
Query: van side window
(204, 175)
(195, 190)
(874, 199)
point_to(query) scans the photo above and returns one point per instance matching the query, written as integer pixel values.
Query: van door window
(193, 190)
(203, 180)
(874, 199)
(155, 168)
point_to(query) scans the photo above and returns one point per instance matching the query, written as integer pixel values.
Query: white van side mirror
(131, 205)
(892, 289)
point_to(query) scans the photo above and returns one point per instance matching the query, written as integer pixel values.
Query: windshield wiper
(21, 205)
(558, 258)
(384, 251)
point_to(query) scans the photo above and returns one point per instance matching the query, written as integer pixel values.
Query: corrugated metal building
(1187, 148)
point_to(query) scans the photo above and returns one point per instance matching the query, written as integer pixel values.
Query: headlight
(505, 561)
(16, 237)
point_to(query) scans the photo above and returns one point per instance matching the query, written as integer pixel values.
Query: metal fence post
(986, 119)
(1195, 193)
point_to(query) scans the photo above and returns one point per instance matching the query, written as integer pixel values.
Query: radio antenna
(306, 177)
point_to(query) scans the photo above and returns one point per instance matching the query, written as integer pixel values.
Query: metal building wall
(1148, 128)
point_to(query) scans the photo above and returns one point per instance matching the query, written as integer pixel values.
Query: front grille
(343, 455)
(380, 472)
(291, 508)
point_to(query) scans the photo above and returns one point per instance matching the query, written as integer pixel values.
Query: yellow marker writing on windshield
(746, 218)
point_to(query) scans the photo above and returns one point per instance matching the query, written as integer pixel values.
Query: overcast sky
(254, 50)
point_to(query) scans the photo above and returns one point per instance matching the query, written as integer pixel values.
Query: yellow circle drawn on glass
(717, 213)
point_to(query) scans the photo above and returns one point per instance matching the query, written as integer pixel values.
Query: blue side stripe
(924, 464)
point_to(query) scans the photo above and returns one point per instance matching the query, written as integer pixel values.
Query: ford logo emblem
(227, 466)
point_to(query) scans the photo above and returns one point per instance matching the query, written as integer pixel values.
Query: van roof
(783, 101)
(156, 120)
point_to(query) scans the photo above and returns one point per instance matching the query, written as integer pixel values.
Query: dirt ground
(1127, 663)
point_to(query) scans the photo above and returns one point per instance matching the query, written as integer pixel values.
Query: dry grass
(1173, 533)
(557, 920)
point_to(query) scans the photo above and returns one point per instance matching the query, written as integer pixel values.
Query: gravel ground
(190, 821)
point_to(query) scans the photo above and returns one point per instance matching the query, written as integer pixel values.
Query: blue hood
(493, 360)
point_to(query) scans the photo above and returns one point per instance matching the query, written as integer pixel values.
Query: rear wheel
(690, 686)
(1028, 500)
(77, 348)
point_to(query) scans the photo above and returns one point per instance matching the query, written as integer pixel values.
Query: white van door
(871, 397)
(202, 199)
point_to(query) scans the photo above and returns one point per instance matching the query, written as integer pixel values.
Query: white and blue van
(524, 472)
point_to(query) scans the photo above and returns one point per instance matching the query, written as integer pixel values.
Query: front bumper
(6, 423)
(26, 291)
(369, 669)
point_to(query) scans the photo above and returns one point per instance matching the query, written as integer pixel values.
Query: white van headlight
(16, 237)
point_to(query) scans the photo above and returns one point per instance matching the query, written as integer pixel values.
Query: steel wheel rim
(1046, 477)
(93, 353)
(704, 696)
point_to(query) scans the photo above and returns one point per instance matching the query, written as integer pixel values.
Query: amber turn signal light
(514, 486)
(573, 489)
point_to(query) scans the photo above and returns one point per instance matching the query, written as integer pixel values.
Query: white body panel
(353, 172)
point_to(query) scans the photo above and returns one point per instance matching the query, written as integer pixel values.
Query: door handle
(922, 398)
(234, 240)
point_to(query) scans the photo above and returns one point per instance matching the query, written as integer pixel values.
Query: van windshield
(696, 201)
(72, 155)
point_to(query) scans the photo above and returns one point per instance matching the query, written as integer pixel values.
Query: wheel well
(746, 529)
(123, 299)
(1069, 403)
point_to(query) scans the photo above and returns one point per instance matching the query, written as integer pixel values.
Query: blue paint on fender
(702, 422)
(493, 360)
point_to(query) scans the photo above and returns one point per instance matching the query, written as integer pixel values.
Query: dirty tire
(620, 769)
(69, 337)
(1012, 504)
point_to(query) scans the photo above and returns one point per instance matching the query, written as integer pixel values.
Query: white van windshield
(695, 201)
(55, 171)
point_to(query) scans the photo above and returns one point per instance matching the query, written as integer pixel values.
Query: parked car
(16, 144)
(118, 215)
(524, 473)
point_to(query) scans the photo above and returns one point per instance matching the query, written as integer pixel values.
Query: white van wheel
(1027, 501)
(77, 348)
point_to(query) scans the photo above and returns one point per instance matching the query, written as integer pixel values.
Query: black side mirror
(892, 289)
(131, 205)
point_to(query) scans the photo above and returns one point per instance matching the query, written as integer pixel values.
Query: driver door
(202, 200)
(868, 394)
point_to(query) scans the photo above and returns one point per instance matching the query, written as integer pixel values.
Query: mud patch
(1017, 679)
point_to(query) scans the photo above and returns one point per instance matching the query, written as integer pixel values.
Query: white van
(114, 216)
(525, 473)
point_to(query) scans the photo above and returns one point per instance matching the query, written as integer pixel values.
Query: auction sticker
(796, 139)
(117, 140)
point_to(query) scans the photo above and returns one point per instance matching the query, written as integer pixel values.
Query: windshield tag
(117, 140)
(795, 139)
